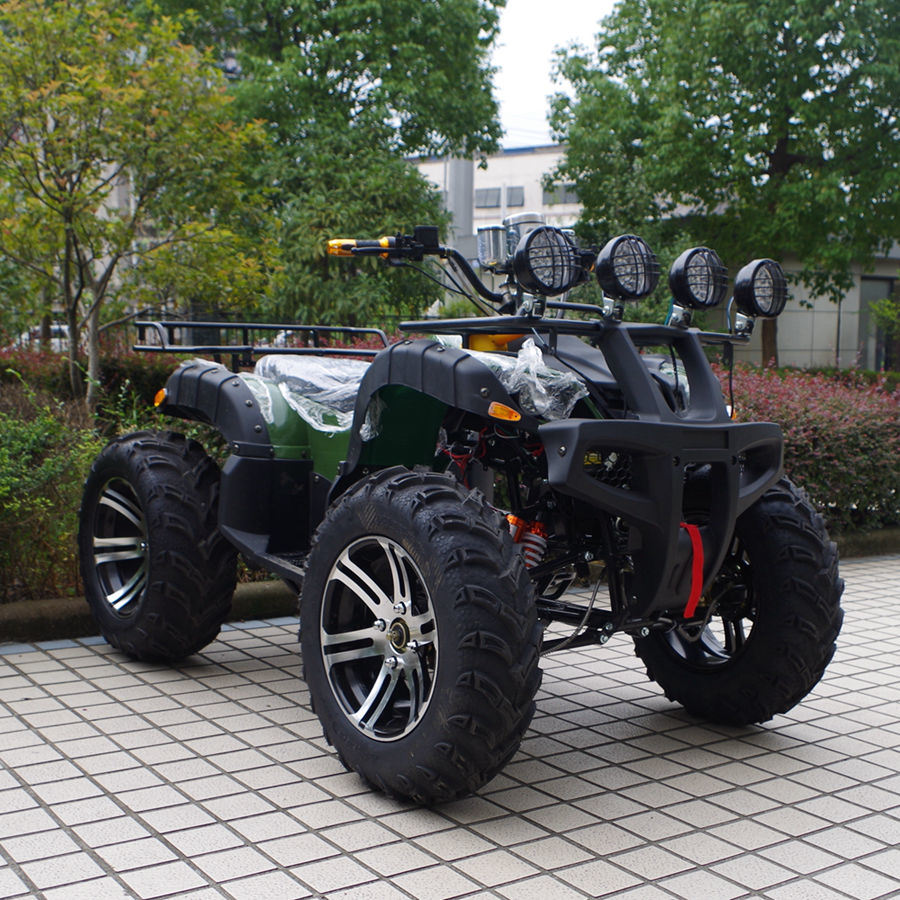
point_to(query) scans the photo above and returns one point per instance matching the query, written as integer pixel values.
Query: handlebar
(422, 242)
(352, 246)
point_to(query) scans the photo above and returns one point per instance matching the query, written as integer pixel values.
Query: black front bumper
(736, 463)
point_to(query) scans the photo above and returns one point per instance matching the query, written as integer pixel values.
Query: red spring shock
(532, 536)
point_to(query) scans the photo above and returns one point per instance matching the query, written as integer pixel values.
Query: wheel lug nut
(380, 625)
(413, 645)
(400, 607)
(392, 662)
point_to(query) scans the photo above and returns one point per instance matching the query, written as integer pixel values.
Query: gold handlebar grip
(346, 246)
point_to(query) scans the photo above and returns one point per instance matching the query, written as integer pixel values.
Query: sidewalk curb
(69, 617)
(872, 543)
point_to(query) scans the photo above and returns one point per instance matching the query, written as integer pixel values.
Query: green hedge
(145, 373)
(44, 458)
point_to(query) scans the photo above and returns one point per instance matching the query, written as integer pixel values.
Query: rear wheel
(420, 636)
(158, 575)
(772, 616)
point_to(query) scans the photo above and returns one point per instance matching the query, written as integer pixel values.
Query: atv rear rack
(243, 341)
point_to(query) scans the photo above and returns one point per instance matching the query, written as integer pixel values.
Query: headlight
(760, 288)
(698, 278)
(547, 262)
(627, 268)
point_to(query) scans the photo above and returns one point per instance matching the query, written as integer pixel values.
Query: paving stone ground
(212, 779)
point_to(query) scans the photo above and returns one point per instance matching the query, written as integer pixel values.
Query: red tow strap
(696, 568)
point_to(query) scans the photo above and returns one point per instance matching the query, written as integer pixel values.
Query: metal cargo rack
(242, 341)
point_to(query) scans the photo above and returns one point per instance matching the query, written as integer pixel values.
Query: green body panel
(329, 450)
(288, 433)
(407, 428)
(292, 437)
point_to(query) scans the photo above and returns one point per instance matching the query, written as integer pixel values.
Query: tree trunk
(46, 335)
(93, 354)
(75, 380)
(770, 342)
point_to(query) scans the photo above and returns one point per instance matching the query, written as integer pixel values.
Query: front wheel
(420, 636)
(771, 619)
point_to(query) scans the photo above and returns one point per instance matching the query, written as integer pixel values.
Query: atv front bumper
(656, 475)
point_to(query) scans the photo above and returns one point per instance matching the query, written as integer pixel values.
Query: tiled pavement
(121, 779)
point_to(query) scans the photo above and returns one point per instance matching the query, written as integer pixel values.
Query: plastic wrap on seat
(321, 390)
(260, 391)
(543, 392)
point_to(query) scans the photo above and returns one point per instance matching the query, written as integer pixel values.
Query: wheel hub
(121, 549)
(399, 635)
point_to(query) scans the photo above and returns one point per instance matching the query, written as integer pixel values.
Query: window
(877, 349)
(487, 198)
(515, 196)
(560, 194)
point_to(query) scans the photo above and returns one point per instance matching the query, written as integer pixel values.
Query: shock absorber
(532, 536)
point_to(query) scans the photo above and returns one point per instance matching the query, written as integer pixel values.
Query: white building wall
(505, 172)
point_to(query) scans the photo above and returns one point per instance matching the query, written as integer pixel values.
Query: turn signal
(502, 411)
(160, 397)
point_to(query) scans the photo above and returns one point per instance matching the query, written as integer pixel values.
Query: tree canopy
(118, 156)
(347, 90)
(762, 129)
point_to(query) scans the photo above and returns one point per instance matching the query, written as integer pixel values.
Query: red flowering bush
(842, 440)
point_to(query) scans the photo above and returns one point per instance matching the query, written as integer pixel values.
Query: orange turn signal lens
(160, 397)
(502, 411)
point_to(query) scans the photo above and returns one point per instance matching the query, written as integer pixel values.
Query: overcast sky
(530, 31)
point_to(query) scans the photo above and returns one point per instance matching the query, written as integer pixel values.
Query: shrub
(842, 439)
(45, 454)
(45, 371)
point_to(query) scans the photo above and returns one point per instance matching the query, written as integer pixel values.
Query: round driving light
(547, 262)
(698, 278)
(627, 268)
(760, 288)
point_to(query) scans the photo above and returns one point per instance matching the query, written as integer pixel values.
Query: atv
(433, 500)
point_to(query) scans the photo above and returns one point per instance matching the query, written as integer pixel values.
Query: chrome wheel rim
(121, 550)
(379, 638)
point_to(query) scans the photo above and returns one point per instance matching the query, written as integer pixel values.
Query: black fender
(207, 392)
(433, 370)
(268, 506)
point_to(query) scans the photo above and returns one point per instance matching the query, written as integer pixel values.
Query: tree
(347, 91)
(765, 129)
(420, 66)
(116, 147)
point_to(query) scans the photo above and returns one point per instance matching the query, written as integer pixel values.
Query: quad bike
(433, 500)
